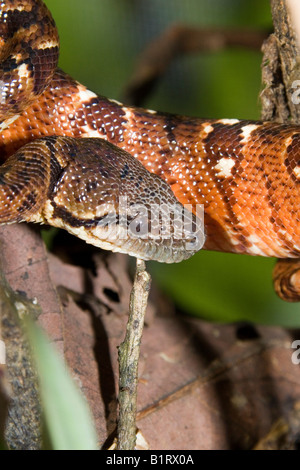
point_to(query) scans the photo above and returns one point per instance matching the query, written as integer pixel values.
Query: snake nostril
(111, 294)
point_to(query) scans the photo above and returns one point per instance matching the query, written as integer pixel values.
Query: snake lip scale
(71, 155)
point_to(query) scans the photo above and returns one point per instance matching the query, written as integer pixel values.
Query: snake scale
(70, 155)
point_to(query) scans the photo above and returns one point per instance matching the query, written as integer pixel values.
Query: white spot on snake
(247, 130)
(230, 122)
(151, 111)
(129, 115)
(224, 167)
(7, 123)
(296, 172)
(87, 131)
(85, 94)
(208, 128)
(47, 44)
(23, 70)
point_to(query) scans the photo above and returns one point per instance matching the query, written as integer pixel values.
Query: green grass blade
(68, 419)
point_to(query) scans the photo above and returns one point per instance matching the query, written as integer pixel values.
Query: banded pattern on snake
(245, 173)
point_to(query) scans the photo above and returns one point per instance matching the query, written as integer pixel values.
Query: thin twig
(129, 352)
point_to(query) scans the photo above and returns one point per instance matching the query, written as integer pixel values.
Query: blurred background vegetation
(100, 42)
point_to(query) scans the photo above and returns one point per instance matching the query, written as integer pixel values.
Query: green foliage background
(100, 41)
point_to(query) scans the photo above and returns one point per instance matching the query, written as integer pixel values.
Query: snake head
(101, 194)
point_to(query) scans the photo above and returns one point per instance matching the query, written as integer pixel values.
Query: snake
(90, 165)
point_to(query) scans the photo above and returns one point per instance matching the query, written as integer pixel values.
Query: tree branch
(280, 69)
(182, 40)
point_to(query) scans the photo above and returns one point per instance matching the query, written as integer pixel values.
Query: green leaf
(225, 287)
(68, 419)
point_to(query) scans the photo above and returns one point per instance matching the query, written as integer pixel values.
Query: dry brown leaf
(202, 386)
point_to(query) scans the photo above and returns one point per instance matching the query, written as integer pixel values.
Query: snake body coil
(245, 174)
